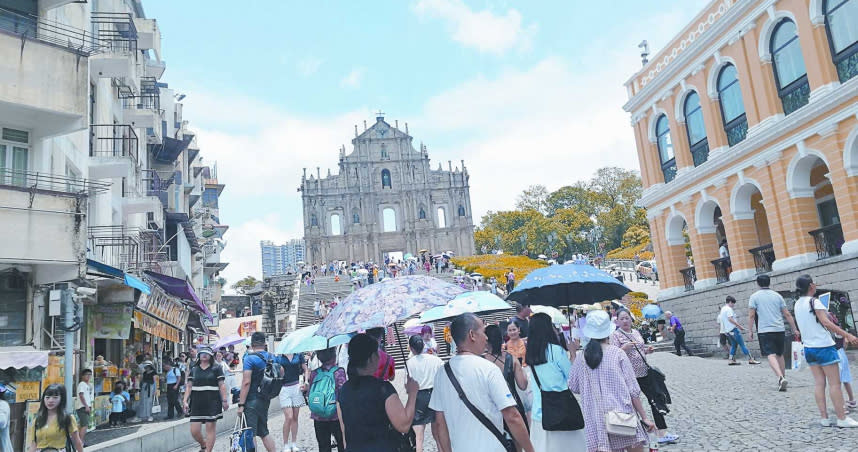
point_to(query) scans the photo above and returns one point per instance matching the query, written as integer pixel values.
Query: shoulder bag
(560, 409)
(505, 442)
(617, 422)
(402, 442)
(656, 379)
(156, 404)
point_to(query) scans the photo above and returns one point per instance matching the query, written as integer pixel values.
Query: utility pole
(68, 335)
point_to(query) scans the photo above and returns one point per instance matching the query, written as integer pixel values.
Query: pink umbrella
(232, 339)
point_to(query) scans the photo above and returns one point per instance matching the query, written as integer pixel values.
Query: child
(117, 402)
(128, 413)
(845, 374)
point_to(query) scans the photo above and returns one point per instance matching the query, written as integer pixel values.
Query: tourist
(5, 420)
(675, 326)
(250, 402)
(724, 340)
(549, 367)
(206, 398)
(422, 367)
(172, 377)
(85, 395)
(317, 309)
(722, 250)
(53, 427)
(128, 413)
(147, 391)
(732, 327)
(386, 365)
(430, 345)
(631, 342)
(292, 396)
(368, 406)
(819, 351)
(845, 373)
(457, 427)
(515, 345)
(767, 309)
(323, 412)
(510, 281)
(604, 378)
(513, 372)
(117, 405)
(521, 318)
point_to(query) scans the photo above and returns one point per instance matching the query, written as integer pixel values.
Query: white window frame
(9, 148)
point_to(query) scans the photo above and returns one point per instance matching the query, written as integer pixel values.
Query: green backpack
(322, 399)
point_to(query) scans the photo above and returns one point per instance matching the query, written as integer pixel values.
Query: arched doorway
(810, 187)
(712, 240)
(679, 250)
(756, 237)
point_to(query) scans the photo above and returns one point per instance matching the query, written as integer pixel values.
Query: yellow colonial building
(746, 126)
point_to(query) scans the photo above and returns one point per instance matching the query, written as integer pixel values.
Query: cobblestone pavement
(715, 408)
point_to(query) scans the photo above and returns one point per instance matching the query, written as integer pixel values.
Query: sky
(524, 92)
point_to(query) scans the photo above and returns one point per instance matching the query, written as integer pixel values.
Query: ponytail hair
(593, 353)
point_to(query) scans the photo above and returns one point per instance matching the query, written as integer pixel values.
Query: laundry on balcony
(179, 288)
(113, 272)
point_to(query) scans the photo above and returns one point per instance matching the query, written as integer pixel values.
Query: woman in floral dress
(605, 381)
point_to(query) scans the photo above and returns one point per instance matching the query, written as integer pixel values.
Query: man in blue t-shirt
(253, 405)
(172, 375)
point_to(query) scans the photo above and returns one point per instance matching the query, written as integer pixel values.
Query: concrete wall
(698, 309)
(46, 233)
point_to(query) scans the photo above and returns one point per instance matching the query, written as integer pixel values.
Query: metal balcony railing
(689, 276)
(113, 140)
(763, 258)
(828, 240)
(722, 269)
(48, 183)
(115, 32)
(51, 32)
(144, 101)
(115, 245)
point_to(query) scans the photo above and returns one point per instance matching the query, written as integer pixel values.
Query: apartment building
(281, 259)
(747, 138)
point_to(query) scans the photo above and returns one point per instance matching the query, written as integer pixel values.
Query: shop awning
(179, 288)
(26, 357)
(129, 280)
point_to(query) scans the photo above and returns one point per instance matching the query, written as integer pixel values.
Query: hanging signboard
(112, 321)
(247, 328)
(155, 327)
(165, 307)
(27, 390)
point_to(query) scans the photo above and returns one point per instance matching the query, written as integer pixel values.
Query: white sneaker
(847, 422)
(825, 422)
(782, 384)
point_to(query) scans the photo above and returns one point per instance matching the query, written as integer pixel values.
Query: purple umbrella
(232, 339)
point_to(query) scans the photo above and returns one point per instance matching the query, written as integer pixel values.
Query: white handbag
(621, 424)
(156, 404)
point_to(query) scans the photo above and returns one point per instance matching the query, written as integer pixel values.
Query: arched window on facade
(732, 105)
(442, 218)
(421, 215)
(389, 219)
(695, 129)
(461, 210)
(355, 217)
(314, 221)
(788, 64)
(385, 178)
(841, 24)
(336, 226)
(665, 149)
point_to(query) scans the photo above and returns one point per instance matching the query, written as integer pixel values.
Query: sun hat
(205, 349)
(599, 325)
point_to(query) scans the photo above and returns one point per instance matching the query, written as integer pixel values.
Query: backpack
(273, 377)
(322, 399)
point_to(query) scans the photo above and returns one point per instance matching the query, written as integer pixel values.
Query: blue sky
(524, 92)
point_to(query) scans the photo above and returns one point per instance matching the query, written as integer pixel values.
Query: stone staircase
(326, 290)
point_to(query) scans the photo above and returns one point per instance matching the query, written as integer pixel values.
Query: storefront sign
(155, 327)
(55, 372)
(165, 307)
(27, 390)
(109, 321)
(247, 328)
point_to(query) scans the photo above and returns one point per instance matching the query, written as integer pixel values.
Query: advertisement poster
(100, 411)
(32, 411)
(55, 372)
(28, 390)
(110, 321)
(247, 328)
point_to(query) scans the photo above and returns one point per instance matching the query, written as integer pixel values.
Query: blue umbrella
(651, 311)
(306, 340)
(482, 302)
(564, 285)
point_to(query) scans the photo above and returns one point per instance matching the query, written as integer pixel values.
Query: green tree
(246, 283)
(635, 235)
(577, 196)
(534, 197)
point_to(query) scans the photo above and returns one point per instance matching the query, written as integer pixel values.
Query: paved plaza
(715, 408)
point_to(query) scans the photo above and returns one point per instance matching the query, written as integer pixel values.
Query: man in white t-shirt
(456, 427)
(732, 328)
(85, 395)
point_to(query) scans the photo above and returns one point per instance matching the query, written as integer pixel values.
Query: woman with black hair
(513, 373)
(549, 367)
(54, 429)
(811, 316)
(423, 366)
(606, 382)
(371, 415)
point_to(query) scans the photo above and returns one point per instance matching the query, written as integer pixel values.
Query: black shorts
(256, 414)
(422, 413)
(772, 343)
(723, 339)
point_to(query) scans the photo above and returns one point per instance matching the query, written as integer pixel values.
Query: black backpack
(273, 377)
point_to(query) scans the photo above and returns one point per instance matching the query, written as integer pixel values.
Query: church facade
(386, 201)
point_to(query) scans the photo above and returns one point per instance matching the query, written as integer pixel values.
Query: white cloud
(482, 30)
(309, 66)
(353, 78)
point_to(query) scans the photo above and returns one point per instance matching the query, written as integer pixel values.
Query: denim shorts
(821, 356)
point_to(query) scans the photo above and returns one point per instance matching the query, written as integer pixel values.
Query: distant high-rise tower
(281, 259)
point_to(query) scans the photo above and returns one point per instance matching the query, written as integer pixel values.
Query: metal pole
(68, 336)
(401, 350)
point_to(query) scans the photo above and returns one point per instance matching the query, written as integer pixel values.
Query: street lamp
(497, 242)
(523, 239)
(551, 238)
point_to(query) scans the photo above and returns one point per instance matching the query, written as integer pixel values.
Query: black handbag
(560, 409)
(656, 381)
(505, 442)
(402, 442)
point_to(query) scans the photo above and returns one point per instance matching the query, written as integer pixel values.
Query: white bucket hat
(599, 325)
